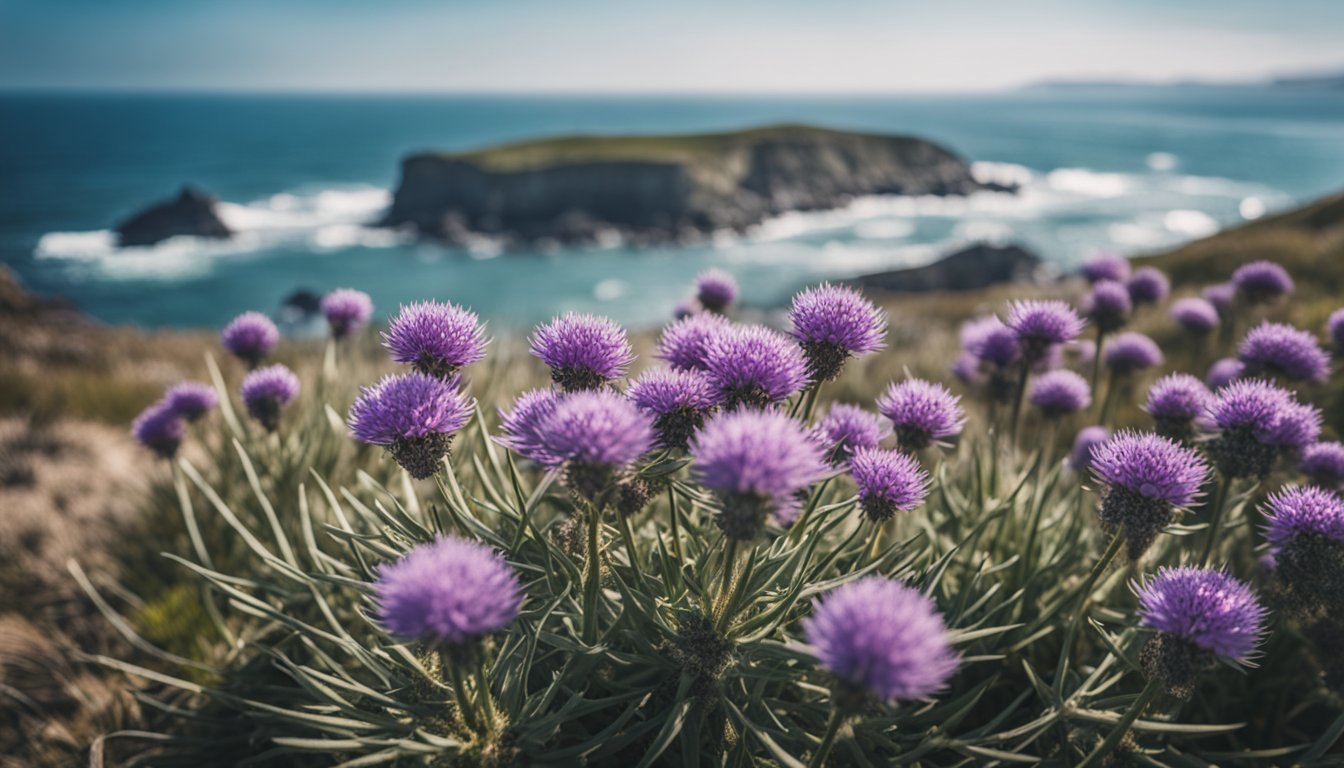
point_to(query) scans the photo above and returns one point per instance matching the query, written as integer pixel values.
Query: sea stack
(192, 213)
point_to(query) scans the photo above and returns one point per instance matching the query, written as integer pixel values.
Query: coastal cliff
(654, 189)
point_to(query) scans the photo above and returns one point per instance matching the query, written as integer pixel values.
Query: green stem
(1220, 496)
(1108, 746)
(484, 702)
(592, 575)
(1112, 549)
(628, 534)
(464, 703)
(1018, 397)
(725, 586)
(1108, 404)
(827, 739)
(1096, 363)
(873, 543)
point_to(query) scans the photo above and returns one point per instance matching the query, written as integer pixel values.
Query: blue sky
(643, 46)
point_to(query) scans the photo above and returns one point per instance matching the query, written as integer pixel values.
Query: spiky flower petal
(921, 412)
(715, 289)
(754, 365)
(1195, 315)
(1148, 285)
(437, 339)
(677, 400)
(413, 415)
(1205, 607)
(1278, 349)
(834, 323)
(191, 399)
(1131, 352)
(846, 428)
(160, 429)
(1060, 392)
(266, 391)
(449, 592)
(250, 337)
(888, 481)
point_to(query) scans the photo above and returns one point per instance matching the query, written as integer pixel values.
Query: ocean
(1133, 170)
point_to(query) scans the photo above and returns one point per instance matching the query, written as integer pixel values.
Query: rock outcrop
(978, 266)
(660, 188)
(191, 213)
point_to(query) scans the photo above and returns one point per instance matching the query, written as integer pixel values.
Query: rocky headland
(977, 266)
(192, 213)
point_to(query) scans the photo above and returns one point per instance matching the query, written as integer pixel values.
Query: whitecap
(1162, 161)
(884, 229)
(1190, 223)
(610, 289)
(1251, 208)
(1089, 183)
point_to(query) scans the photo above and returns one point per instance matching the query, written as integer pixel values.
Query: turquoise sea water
(1127, 169)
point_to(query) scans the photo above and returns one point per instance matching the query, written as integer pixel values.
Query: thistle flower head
(191, 399)
(250, 337)
(991, 342)
(1108, 305)
(1223, 372)
(1087, 439)
(449, 592)
(847, 428)
(677, 400)
(921, 412)
(967, 370)
(1106, 266)
(1299, 426)
(684, 343)
(1040, 325)
(1131, 352)
(685, 308)
(1323, 464)
(1148, 285)
(1060, 392)
(1303, 511)
(888, 481)
(715, 289)
(598, 428)
(1207, 608)
(1174, 402)
(1261, 281)
(1144, 477)
(582, 351)
(268, 390)
(1255, 420)
(1195, 315)
(1278, 349)
(754, 365)
(414, 415)
(437, 339)
(881, 638)
(160, 429)
(347, 311)
(521, 426)
(1335, 328)
(833, 323)
(1221, 297)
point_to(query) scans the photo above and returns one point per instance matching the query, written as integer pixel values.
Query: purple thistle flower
(1148, 286)
(414, 416)
(450, 593)
(522, 425)
(1223, 372)
(250, 337)
(685, 308)
(833, 324)
(160, 429)
(1041, 325)
(347, 311)
(1175, 401)
(595, 434)
(1256, 421)
(437, 339)
(191, 399)
(1323, 464)
(1221, 297)
(582, 351)
(1106, 266)
(1299, 426)
(684, 344)
(715, 289)
(967, 370)
(881, 638)
(1305, 530)
(1144, 477)
(991, 342)
(1108, 305)
(756, 462)
(1084, 351)
(889, 482)
(754, 365)
(1087, 439)
(847, 428)
(1206, 608)
(1335, 328)
(1195, 315)
(268, 390)
(921, 412)
(678, 402)
(1060, 392)
(1261, 281)
(1277, 349)
(1131, 352)
(1303, 511)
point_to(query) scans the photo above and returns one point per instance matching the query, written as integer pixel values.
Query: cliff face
(659, 189)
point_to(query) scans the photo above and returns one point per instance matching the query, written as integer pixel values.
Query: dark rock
(299, 307)
(978, 266)
(191, 213)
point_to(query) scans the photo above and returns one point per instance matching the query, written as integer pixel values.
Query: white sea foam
(1251, 208)
(1089, 183)
(1190, 223)
(1162, 161)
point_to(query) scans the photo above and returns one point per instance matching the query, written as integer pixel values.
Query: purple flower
(582, 351)
(1108, 305)
(834, 323)
(1175, 401)
(881, 637)
(1040, 325)
(678, 402)
(1277, 349)
(1299, 426)
(1323, 464)
(715, 289)
(755, 461)
(684, 343)
(1148, 285)
(1195, 315)
(921, 412)
(597, 428)
(414, 416)
(250, 337)
(1206, 608)
(449, 592)
(991, 342)
(522, 425)
(847, 428)
(889, 482)
(967, 370)
(437, 339)
(1335, 328)
(347, 311)
(191, 399)
(1261, 281)
(266, 391)
(1060, 392)
(754, 365)
(1256, 422)
(1131, 352)
(1221, 297)
(1303, 511)
(1088, 438)
(1224, 372)
(160, 429)
(1106, 266)
(685, 308)
(1144, 477)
